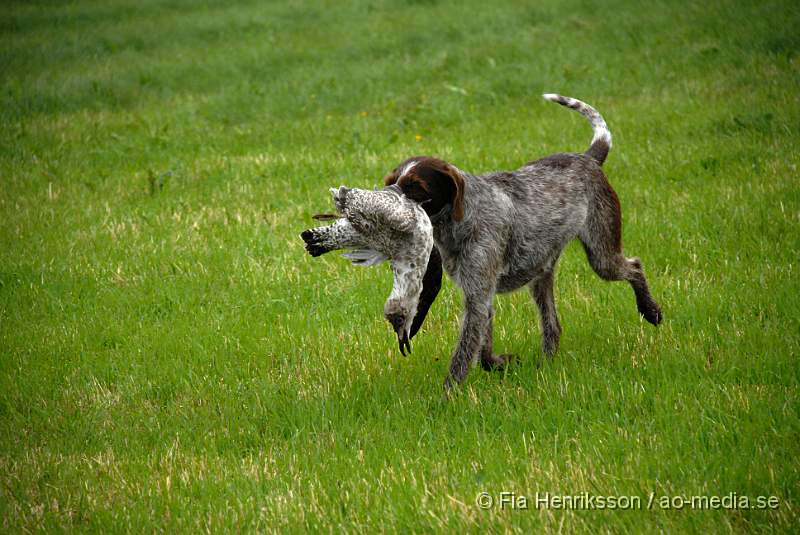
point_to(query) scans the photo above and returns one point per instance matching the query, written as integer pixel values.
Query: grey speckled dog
(499, 231)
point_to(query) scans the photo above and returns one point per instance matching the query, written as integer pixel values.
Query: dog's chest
(449, 255)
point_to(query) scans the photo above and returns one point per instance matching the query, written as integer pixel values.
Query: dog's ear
(431, 284)
(458, 198)
(445, 185)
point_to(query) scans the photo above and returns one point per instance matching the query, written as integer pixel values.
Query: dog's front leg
(489, 360)
(477, 314)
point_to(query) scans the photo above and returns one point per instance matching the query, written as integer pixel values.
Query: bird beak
(398, 323)
(404, 342)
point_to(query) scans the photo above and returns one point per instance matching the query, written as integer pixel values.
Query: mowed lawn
(172, 360)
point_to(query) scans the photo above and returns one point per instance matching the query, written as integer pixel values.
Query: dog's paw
(650, 311)
(497, 363)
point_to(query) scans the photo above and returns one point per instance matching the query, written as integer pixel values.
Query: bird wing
(366, 257)
(342, 235)
(339, 235)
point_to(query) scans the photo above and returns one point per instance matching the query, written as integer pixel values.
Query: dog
(499, 231)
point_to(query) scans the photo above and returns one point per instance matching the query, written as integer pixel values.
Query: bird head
(400, 313)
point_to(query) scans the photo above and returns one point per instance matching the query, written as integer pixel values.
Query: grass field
(171, 359)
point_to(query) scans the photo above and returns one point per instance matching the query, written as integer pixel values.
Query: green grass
(172, 360)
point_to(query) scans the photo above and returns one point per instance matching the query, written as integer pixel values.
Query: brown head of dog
(433, 183)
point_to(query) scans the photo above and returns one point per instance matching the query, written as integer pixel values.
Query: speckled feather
(382, 225)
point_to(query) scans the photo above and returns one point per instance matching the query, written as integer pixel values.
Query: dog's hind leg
(602, 241)
(616, 267)
(541, 290)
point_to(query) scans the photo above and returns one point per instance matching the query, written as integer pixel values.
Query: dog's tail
(601, 142)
